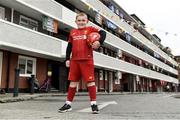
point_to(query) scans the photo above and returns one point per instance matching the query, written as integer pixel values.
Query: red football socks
(92, 92)
(71, 93)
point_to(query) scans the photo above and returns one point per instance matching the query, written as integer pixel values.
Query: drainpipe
(8, 71)
(9, 56)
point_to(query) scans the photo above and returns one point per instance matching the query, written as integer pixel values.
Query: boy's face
(81, 21)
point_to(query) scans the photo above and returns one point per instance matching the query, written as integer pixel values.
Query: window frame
(33, 66)
(29, 20)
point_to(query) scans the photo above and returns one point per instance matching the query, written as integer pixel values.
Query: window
(2, 13)
(117, 76)
(101, 75)
(28, 23)
(27, 66)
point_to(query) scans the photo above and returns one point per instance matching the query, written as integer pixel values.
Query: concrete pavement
(8, 97)
(128, 107)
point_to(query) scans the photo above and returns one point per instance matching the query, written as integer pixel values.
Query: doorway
(59, 77)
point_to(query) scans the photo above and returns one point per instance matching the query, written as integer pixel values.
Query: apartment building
(33, 38)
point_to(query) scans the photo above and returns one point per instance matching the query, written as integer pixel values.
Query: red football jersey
(80, 49)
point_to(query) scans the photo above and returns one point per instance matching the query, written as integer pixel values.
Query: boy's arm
(103, 36)
(101, 32)
(68, 51)
(69, 47)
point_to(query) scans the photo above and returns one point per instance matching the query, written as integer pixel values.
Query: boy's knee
(89, 84)
(73, 84)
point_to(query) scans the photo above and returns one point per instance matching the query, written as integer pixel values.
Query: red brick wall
(41, 71)
(12, 66)
(4, 69)
(101, 85)
(116, 87)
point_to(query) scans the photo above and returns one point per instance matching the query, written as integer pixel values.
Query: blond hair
(81, 14)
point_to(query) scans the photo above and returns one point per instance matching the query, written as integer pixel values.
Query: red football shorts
(81, 69)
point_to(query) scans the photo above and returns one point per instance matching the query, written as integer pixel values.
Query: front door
(59, 76)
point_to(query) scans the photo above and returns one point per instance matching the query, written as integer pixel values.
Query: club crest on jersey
(85, 31)
(90, 77)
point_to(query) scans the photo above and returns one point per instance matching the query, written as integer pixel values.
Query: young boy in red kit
(81, 63)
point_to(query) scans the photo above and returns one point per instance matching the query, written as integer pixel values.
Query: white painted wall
(120, 65)
(48, 6)
(25, 39)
